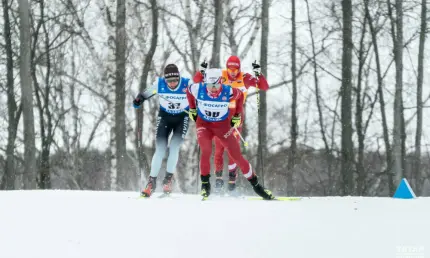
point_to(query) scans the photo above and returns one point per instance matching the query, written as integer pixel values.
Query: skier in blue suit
(172, 118)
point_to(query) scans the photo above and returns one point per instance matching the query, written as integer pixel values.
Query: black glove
(138, 101)
(203, 67)
(256, 68)
(235, 120)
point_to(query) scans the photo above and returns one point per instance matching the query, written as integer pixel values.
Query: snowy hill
(80, 224)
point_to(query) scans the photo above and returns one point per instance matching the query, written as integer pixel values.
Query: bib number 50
(212, 113)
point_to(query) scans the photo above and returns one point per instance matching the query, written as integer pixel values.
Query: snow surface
(82, 224)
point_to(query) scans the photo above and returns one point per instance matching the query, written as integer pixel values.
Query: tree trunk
(417, 161)
(293, 129)
(27, 97)
(388, 152)
(321, 118)
(110, 17)
(359, 113)
(9, 176)
(46, 128)
(398, 101)
(216, 46)
(143, 160)
(261, 97)
(346, 92)
(120, 58)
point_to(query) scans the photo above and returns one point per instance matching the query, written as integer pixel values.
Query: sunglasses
(233, 70)
(214, 85)
(172, 80)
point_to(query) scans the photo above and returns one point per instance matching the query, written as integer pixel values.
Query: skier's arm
(198, 77)
(251, 81)
(191, 95)
(237, 95)
(150, 91)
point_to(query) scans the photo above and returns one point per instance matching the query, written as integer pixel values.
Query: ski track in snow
(80, 224)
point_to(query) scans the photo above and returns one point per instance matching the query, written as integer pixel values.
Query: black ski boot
(150, 187)
(232, 175)
(219, 183)
(259, 189)
(167, 183)
(206, 186)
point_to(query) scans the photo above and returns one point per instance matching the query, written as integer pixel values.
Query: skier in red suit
(234, 77)
(209, 108)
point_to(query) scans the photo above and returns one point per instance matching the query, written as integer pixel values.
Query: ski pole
(245, 143)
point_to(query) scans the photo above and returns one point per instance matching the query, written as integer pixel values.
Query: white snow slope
(81, 224)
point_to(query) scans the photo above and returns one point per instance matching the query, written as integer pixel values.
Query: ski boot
(150, 187)
(232, 175)
(259, 189)
(167, 183)
(206, 186)
(219, 183)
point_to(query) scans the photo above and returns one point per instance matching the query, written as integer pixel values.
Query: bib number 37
(174, 105)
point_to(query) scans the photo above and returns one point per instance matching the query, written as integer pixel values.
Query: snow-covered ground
(81, 224)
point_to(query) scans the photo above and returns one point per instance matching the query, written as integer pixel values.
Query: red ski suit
(222, 130)
(242, 81)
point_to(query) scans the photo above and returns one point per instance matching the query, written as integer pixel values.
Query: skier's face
(172, 82)
(233, 72)
(213, 88)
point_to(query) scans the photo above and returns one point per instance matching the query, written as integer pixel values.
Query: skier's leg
(161, 137)
(219, 163)
(233, 148)
(179, 132)
(232, 166)
(204, 138)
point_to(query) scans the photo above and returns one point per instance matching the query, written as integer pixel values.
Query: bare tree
(196, 32)
(398, 126)
(120, 58)
(218, 26)
(293, 130)
(27, 97)
(143, 162)
(380, 80)
(237, 33)
(262, 99)
(14, 113)
(109, 79)
(418, 135)
(346, 92)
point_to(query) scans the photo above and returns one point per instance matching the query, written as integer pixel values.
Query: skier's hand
(192, 113)
(256, 68)
(203, 67)
(235, 120)
(138, 101)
